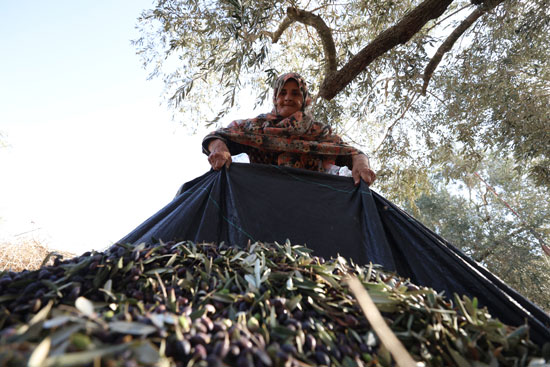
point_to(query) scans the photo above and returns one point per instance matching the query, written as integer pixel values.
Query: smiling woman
(287, 136)
(289, 100)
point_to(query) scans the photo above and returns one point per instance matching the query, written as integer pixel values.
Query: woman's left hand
(361, 170)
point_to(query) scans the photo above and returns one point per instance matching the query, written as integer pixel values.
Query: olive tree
(389, 75)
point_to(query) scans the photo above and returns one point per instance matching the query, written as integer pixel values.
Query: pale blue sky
(50, 47)
(91, 152)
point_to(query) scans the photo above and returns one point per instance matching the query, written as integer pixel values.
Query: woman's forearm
(217, 145)
(361, 159)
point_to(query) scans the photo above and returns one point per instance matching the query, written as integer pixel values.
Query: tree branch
(447, 17)
(438, 98)
(390, 128)
(543, 245)
(324, 31)
(275, 36)
(308, 18)
(400, 33)
(448, 44)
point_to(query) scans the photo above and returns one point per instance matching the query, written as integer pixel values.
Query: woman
(287, 136)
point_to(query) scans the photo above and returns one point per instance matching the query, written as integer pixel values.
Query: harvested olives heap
(187, 304)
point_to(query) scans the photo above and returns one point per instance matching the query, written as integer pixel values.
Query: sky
(90, 151)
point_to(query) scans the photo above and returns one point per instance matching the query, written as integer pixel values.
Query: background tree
(3, 142)
(433, 90)
(478, 215)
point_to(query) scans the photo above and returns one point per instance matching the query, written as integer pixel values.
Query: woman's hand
(219, 155)
(361, 170)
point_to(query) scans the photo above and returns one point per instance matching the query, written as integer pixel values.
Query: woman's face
(290, 99)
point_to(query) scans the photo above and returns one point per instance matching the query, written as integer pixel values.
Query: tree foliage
(3, 141)
(481, 217)
(496, 92)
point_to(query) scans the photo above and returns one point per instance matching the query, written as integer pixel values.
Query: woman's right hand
(361, 170)
(219, 155)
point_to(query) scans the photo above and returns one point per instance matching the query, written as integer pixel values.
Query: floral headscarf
(297, 140)
(280, 82)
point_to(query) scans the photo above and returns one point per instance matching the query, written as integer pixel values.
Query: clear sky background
(91, 151)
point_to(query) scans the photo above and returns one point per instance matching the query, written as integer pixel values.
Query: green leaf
(159, 271)
(223, 297)
(108, 286)
(459, 360)
(282, 332)
(52, 286)
(107, 289)
(133, 328)
(293, 302)
(64, 334)
(49, 256)
(56, 321)
(462, 309)
(83, 358)
(197, 313)
(73, 269)
(146, 353)
(7, 297)
(171, 261)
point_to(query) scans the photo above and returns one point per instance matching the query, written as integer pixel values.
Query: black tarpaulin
(251, 202)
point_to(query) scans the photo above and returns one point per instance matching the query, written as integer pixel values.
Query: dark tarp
(252, 202)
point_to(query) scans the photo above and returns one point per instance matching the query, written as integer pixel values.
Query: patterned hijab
(280, 82)
(299, 123)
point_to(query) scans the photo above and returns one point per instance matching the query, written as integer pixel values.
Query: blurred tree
(501, 222)
(3, 142)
